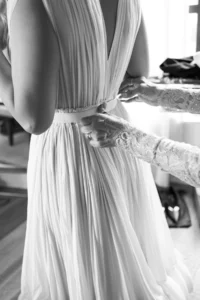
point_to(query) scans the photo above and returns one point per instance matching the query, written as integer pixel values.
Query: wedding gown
(95, 226)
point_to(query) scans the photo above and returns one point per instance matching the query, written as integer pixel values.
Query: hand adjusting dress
(95, 226)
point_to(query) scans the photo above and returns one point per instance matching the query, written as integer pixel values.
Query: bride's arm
(179, 159)
(28, 88)
(139, 61)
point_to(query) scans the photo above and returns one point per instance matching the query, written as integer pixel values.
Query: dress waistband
(63, 116)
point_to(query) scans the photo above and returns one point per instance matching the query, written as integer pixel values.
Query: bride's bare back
(109, 10)
(94, 225)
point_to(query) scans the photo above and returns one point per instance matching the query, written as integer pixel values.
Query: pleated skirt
(95, 225)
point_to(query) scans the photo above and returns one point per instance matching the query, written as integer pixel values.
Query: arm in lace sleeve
(179, 159)
(167, 96)
(171, 97)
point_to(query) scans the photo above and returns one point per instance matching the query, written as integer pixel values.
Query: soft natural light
(192, 2)
(171, 30)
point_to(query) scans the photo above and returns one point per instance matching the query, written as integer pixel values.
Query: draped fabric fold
(95, 226)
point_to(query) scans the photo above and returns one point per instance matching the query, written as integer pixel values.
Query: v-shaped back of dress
(87, 75)
(95, 226)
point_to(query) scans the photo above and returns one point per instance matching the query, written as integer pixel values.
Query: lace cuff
(179, 159)
(142, 145)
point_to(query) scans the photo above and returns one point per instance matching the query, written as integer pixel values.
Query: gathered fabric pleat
(95, 225)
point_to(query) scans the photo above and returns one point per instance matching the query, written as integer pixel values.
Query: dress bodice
(87, 74)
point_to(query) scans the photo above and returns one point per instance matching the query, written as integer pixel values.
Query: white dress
(95, 227)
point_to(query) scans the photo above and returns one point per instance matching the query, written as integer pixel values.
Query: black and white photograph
(99, 150)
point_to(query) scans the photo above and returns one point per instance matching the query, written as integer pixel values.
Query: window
(171, 29)
(194, 17)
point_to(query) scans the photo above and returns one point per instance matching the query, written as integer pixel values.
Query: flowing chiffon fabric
(95, 226)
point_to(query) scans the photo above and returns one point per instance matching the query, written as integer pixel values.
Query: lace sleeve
(167, 96)
(181, 99)
(179, 159)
